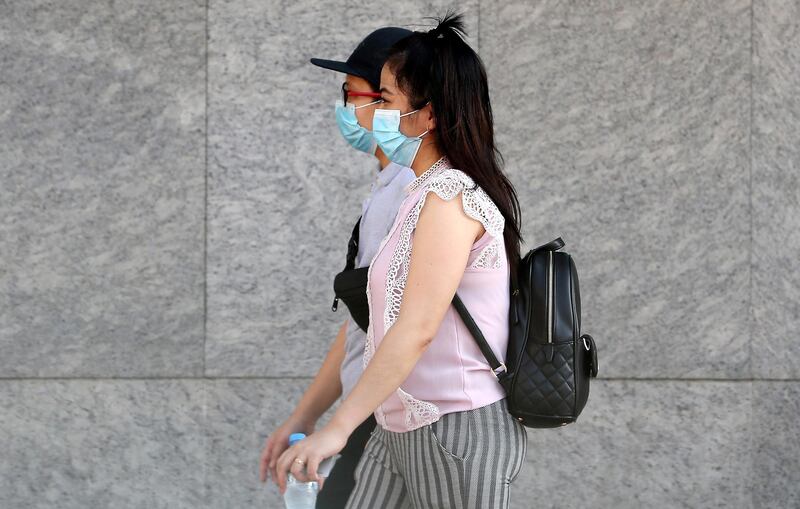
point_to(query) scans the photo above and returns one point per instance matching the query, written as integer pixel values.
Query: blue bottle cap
(296, 437)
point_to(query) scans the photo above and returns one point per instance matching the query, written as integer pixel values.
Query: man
(343, 364)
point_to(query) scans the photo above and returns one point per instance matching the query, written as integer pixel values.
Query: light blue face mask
(356, 135)
(398, 147)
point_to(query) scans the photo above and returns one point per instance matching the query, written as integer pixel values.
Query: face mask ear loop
(416, 150)
(426, 130)
(369, 104)
(418, 146)
(416, 110)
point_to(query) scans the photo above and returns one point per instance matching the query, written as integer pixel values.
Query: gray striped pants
(464, 460)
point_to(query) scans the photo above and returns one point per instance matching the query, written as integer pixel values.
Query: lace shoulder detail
(477, 204)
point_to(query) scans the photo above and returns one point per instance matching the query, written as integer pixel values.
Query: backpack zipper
(550, 296)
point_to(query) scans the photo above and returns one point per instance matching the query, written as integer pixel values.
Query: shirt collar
(415, 184)
(387, 174)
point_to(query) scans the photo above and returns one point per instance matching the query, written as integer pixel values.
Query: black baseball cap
(369, 56)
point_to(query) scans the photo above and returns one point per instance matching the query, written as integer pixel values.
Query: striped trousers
(465, 460)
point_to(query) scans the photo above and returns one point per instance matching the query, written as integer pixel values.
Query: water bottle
(303, 495)
(299, 495)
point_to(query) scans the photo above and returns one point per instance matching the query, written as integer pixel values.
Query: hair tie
(436, 32)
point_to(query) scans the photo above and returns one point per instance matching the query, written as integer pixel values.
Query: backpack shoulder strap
(478, 335)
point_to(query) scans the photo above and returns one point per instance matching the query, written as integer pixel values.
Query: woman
(343, 364)
(444, 436)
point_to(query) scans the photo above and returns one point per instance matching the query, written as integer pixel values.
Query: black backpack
(548, 362)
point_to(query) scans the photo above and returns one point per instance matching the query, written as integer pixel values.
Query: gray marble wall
(175, 198)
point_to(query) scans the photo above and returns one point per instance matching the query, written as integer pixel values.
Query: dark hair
(439, 67)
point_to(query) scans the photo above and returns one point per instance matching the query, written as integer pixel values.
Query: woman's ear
(430, 118)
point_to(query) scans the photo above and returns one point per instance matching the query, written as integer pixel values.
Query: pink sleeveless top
(452, 375)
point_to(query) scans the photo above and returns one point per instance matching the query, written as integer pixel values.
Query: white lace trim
(490, 257)
(415, 184)
(369, 345)
(418, 413)
(447, 183)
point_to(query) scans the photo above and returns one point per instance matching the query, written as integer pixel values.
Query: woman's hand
(278, 442)
(312, 450)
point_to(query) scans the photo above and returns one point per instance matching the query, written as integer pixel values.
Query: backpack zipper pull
(335, 305)
(514, 305)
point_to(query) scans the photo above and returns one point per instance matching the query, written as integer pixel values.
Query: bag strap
(352, 247)
(478, 335)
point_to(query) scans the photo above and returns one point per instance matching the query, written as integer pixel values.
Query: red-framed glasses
(348, 93)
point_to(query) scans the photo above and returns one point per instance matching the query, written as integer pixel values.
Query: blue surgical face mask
(356, 135)
(398, 147)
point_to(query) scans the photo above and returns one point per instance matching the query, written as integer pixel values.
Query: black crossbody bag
(350, 285)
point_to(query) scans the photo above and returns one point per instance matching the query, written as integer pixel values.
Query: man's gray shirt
(378, 212)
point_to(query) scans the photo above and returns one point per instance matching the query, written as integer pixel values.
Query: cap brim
(335, 65)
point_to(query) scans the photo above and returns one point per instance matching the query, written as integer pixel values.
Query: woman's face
(363, 115)
(395, 99)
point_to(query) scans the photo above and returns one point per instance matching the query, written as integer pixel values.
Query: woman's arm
(442, 241)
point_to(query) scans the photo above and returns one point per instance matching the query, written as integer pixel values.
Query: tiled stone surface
(284, 187)
(646, 444)
(776, 451)
(196, 443)
(101, 164)
(625, 129)
(140, 444)
(776, 189)
(627, 125)
(102, 443)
